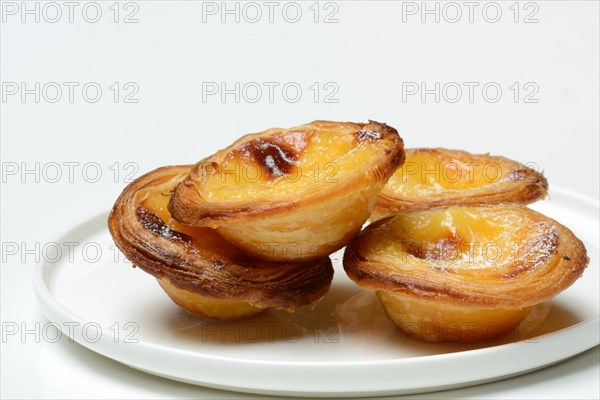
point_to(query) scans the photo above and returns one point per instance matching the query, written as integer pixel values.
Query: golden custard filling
(460, 239)
(432, 170)
(287, 162)
(310, 189)
(464, 274)
(437, 178)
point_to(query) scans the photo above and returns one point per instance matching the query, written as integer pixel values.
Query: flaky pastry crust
(464, 265)
(436, 177)
(291, 194)
(198, 268)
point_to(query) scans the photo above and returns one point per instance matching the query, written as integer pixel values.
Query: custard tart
(464, 274)
(433, 178)
(200, 270)
(291, 194)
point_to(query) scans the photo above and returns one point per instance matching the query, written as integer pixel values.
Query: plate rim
(589, 330)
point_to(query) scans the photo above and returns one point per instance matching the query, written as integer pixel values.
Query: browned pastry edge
(525, 286)
(525, 186)
(203, 271)
(188, 205)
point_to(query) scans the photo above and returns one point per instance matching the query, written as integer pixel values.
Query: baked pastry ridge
(291, 194)
(436, 177)
(199, 269)
(464, 273)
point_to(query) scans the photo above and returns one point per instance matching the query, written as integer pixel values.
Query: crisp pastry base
(437, 178)
(197, 267)
(464, 273)
(291, 194)
(433, 321)
(207, 307)
(304, 235)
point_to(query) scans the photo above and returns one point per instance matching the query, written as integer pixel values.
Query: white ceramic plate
(120, 312)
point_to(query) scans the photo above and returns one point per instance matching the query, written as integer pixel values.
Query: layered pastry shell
(200, 270)
(436, 177)
(464, 274)
(291, 194)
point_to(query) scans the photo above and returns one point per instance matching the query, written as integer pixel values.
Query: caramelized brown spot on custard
(154, 224)
(532, 257)
(276, 155)
(447, 248)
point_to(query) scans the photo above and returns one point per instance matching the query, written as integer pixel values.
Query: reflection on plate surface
(342, 346)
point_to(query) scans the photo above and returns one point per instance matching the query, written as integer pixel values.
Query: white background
(174, 50)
